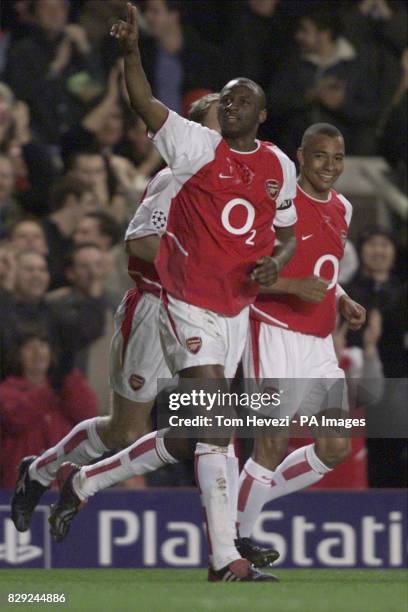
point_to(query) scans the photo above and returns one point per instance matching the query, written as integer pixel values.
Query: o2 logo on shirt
(247, 226)
(320, 263)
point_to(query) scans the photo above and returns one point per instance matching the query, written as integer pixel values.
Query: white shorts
(192, 336)
(277, 354)
(136, 356)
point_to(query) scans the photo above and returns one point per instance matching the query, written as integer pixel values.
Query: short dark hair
(23, 334)
(27, 219)
(108, 226)
(324, 18)
(77, 248)
(251, 85)
(375, 230)
(91, 150)
(327, 129)
(63, 188)
(200, 107)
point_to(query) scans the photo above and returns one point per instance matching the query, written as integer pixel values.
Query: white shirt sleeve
(348, 208)
(285, 207)
(185, 145)
(151, 215)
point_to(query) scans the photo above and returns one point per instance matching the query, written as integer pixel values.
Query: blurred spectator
(378, 29)
(53, 70)
(34, 168)
(101, 229)
(324, 81)
(98, 228)
(33, 416)
(7, 270)
(257, 32)
(87, 272)
(102, 126)
(176, 60)
(70, 199)
(28, 235)
(139, 149)
(93, 169)
(68, 330)
(393, 128)
(376, 287)
(6, 193)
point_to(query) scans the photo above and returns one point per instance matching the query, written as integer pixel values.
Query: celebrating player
(215, 254)
(136, 357)
(291, 329)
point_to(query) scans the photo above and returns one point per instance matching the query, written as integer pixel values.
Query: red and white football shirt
(321, 232)
(150, 218)
(221, 218)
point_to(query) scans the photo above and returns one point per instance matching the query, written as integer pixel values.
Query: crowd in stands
(74, 163)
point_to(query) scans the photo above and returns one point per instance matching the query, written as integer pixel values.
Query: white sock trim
(231, 451)
(259, 472)
(162, 451)
(76, 486)
(34, 475)
(315, 463)
(95, 439)
(202, 448)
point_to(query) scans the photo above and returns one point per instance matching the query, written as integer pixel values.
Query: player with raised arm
(292, 322)
(136, 356)
(215, 254)
(136, 362)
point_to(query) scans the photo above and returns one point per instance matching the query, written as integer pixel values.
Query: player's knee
(333, 451)
(121, 435)
(269, 452)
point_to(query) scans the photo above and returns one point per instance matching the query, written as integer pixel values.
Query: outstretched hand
(127, 32)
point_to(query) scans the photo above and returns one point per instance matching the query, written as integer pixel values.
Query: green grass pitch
(117, 590)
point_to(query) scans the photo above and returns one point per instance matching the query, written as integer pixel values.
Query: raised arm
(152, 111)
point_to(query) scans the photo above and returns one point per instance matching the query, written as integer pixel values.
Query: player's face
(211, 118)
(378, 254)
(321, 162)
(239, 112)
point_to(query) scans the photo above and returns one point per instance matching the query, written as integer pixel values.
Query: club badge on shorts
(272, 188)
(194, 344)
(136, 382)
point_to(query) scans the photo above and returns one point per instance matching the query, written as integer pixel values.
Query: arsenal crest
(136, 382)
(194, 344)
(272, 188)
